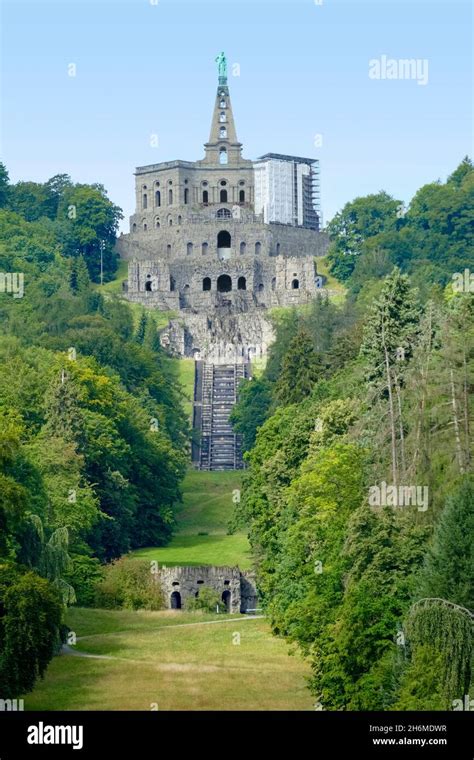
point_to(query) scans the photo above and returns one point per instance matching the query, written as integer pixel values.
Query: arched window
(223, 239)
(170, 221)
(204, 248)
(172, 282)
(205, 196)
(222, 116)
(223, 156)
(223, 132)
(148, 283)
(222, 103)
(206, 283)
(241, 283)
(295, 284)
(170, 197)
(224, 284)
(157, 198)
(242, 247)
(157, 222)
(134, 227)
(274, 282)
(145, 200)
(186, 194)
(278, 249)
(223, 196)
(241, 196)
(258, 248)
(180, 219)
(260, 287)
(145, 227)
(224, 213)
(189, 249)
(168, 250)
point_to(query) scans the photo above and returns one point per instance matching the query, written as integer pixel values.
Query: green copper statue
(221, 61)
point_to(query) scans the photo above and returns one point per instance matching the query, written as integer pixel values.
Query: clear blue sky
(145, 68)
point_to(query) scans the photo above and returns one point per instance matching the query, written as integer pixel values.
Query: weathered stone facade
(235, 588)
(197, 247)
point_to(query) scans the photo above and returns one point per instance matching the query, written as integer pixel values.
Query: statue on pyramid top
(221, 61)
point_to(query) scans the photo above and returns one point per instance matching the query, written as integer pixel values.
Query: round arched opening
(227, 599)
(175, 600)
(224, 283)
(206, 283)
(295, 284)
(241, 283)
(223, 239)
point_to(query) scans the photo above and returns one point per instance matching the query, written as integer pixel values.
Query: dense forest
(359, 493)
(93, 437)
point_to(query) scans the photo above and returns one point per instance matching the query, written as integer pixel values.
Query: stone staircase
(215, 393)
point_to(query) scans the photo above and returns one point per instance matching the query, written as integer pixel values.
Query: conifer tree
(300, 371)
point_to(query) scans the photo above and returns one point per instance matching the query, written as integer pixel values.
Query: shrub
(129, 584)
(207, 601)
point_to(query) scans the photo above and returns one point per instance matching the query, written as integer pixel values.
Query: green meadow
(172, 660)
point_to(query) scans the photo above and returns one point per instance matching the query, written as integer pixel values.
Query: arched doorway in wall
(175, 600)
(295, 284)
(206, 283)
(224, 241)
(227, 599)
(241, 283)
(224, 283)
(184, 297)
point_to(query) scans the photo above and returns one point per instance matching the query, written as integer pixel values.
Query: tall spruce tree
(300, 371)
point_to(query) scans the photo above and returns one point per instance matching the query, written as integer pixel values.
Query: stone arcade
(235, 587)
(218, 242)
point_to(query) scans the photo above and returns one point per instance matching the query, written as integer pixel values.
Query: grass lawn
(201, 550)
(206, 509)
(172, 660)
(207, 501)
(186, 378)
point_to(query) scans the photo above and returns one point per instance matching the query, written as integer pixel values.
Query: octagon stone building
(224, 236)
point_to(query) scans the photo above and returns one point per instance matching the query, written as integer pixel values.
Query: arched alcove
(224, 283)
